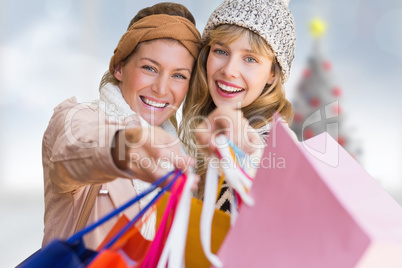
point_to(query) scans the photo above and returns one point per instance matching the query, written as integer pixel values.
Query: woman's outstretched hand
(149, 153)
(230, 123)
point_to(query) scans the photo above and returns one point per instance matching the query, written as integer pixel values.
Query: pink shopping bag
(315, 206)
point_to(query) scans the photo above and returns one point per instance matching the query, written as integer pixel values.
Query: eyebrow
(245, 50)
(158, 64)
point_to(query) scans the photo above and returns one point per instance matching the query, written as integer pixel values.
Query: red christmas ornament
(337, 109)
(306, 73)
(308, 133)
(327, 65)
(298, 118)
(336, 92)
(315, 102)
(341, 141)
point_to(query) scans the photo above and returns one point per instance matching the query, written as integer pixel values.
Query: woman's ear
(271, 79)
(118, 73)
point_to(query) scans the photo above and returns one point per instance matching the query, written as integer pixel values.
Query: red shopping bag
(315, 206)
(132, 243)
(131, 249)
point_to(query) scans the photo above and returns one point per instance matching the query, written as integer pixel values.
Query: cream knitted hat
(271, 19)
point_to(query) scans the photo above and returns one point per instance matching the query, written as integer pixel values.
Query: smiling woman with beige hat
(116, 142)
(248, 49)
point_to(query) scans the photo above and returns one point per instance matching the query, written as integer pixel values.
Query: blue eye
(220, 52)
(180, 76)
(251, 60)
(149, 68)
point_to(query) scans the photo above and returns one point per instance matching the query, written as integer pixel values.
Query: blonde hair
(198, 103)
(168, 8)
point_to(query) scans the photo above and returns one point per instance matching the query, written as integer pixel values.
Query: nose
(161, 85)
(231, 68)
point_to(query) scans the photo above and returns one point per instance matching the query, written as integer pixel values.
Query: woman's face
(155, 79)
(236, 75)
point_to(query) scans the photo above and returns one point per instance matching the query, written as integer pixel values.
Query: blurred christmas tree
(317, 99)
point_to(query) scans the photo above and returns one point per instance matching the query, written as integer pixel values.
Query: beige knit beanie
(271, 19)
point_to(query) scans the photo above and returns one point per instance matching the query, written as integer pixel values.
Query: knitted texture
(157, 27)
(271, 19)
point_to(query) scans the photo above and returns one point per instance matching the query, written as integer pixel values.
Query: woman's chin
(228, 104)
(154, 120)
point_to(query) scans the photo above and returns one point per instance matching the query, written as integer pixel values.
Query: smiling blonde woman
(117, 141)
(248, 48)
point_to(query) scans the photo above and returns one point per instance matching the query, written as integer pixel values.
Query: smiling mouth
(229, 89)
(153, 103)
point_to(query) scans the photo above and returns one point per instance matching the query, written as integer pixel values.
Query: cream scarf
(111, 101)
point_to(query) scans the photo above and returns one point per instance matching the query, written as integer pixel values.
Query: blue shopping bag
(72, 252)
(60, 254)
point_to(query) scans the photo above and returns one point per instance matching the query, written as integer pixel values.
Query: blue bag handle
(78, 236)
(241, 156)
(72, 252)
(136, 218)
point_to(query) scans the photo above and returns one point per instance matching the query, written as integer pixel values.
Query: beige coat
(76, 153)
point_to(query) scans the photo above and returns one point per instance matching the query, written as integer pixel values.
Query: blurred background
(51, 50)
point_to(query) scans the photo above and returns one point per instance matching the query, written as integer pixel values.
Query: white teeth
(154, 104)
(229, 88)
